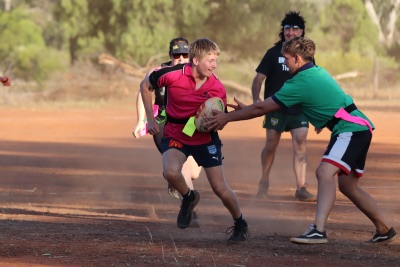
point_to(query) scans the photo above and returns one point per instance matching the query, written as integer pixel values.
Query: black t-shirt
(160, 95)
(277, 73)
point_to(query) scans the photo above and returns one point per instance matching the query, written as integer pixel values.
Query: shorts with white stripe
(348, 151)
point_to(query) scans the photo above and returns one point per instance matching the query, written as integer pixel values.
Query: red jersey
(183, 99)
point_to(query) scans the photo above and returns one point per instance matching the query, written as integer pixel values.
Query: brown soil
(77, 189)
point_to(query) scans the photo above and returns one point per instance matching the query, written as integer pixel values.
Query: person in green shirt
(325, 104)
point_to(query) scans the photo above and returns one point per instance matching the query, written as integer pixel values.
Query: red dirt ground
(77, 189)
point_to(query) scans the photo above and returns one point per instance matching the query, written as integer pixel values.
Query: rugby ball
(206, 110)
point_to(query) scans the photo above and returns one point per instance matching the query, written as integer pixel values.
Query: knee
(171, 174)
(219, 191)
(319, 173)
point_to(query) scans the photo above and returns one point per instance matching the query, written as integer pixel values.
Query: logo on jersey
(281, 60)
(274, 121)
(212, 149)
(173, 143)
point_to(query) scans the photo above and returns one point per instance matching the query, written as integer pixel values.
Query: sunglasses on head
(294, 27)
(177, 56)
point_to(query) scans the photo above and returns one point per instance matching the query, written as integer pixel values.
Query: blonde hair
(202, 47)
(301, 46)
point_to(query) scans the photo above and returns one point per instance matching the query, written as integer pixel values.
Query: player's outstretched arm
(141, 116)
(146, 89)
(239, 105)
(218, 121)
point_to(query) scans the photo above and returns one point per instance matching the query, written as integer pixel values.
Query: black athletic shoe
(311, 236)
(382, 239)
(186, 212)
(239, 233)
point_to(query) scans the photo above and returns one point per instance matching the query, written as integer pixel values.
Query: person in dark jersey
(325, 104)
(188, 86)
(275, 73)
(179, 54)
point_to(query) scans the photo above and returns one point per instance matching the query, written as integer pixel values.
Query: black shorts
(348, 151)
(207, 155)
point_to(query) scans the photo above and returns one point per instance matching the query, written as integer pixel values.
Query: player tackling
(326, 105)
(188, 86)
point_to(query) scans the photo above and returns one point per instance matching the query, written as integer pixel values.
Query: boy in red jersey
(178, 54)
(188, 86)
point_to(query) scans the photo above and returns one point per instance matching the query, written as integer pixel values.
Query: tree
(22, 47)
(384, 15)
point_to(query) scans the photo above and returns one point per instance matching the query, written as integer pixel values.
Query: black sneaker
(302, 194)
(311, 236)
(382, 239)
(239, 233)
(186, 212)
(262, 190)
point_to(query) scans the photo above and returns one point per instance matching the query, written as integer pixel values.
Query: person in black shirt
(273, 70)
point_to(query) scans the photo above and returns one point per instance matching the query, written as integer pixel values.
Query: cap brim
(180, 51)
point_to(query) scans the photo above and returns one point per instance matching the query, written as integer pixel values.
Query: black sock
(240, 220)
(189, 195)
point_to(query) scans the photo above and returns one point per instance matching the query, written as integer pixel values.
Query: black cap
(180, 48)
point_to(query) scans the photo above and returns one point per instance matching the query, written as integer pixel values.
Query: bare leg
(215, 176)
(326, 193)
(299, 141)
(173, 161)
(348, 185)
(267, 159)
(194, 168)
(187, 173)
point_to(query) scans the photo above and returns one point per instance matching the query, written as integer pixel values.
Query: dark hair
(292, 18)
(175, 41)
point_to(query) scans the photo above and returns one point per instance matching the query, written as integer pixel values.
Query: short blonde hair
(202, 47)
(302, 46)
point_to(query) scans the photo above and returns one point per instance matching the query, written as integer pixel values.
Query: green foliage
(33, 62)
(41, 36)
(249, 27)
(346, 38)
(140, 29)
(22, 47)
(338, 62)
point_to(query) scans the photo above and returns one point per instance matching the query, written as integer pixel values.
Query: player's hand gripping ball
(206, 110)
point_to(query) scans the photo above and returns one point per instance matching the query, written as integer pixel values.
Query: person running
(188, 86)
(273, 70)
(325, 104)
(178, 54)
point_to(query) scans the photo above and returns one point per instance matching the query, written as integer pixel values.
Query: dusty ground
(77, 190)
